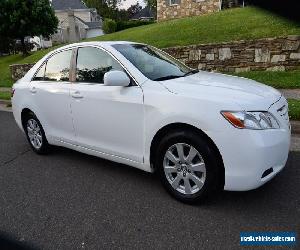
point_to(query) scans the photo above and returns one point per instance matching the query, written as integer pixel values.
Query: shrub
(109, 26)
(6, 45)
(122, 25)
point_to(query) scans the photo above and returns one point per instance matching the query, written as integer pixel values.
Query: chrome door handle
(77, 95)
(33, 90)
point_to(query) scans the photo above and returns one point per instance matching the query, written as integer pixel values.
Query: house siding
(185, 8)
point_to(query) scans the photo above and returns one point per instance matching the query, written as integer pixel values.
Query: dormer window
(174, 2)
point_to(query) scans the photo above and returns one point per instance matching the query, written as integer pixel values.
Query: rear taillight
(12, 92)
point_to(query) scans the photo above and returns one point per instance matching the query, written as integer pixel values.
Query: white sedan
(134, 104)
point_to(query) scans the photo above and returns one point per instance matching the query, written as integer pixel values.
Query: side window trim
(37, 71)
(74, 63)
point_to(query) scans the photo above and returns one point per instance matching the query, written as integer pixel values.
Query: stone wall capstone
(272, 54)
(19, 70)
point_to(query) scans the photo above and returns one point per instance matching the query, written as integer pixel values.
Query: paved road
(68, 200)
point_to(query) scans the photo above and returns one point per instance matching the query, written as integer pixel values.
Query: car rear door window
(93, 63)
(58, 66)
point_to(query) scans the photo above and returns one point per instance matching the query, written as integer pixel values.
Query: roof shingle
(67, 4)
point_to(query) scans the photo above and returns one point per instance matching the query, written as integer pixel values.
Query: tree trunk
(24, 49)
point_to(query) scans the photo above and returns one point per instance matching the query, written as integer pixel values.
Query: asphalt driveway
(68, 200)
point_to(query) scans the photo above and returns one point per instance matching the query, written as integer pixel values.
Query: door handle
(33, 90)
(77, 95)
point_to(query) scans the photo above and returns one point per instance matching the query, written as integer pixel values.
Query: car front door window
(93, 63)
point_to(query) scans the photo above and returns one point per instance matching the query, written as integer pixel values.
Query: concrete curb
(3, 107)
(291, 93)
(5, 89)
(295, 127)
(5, 102)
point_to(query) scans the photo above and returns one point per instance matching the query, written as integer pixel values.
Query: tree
(21, 18)
(133, 9)
(152, 4)
(108, 9)
(105, 8)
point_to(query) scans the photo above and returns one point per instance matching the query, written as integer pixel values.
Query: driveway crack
(14, 158)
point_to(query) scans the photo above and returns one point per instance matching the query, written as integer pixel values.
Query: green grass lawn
(228, 25)
(294, 109)
(280, 80)
(5, 95)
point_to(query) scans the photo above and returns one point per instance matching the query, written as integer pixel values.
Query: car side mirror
(116, 78)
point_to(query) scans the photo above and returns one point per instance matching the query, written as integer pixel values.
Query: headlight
(251, 120)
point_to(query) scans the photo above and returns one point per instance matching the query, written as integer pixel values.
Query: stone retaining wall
(274, 54)
(19, 70)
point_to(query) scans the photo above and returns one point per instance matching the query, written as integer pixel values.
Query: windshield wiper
(194, 71)
(163, 78)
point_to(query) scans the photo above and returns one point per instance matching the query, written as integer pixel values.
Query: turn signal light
(233, 119)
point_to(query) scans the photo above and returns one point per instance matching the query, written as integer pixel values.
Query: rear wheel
(187, 166)
(35, 134)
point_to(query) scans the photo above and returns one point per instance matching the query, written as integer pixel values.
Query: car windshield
(153, 63)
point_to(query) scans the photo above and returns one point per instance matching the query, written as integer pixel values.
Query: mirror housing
(116, 78)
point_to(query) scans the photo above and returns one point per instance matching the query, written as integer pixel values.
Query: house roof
(93, 25)
(144, 13)
(67, 4)
(90, 25)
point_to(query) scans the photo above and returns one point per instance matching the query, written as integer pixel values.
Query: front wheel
(35, 134)
(187, 166)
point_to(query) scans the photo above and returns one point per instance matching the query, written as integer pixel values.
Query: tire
(35, 134)
(189, 180)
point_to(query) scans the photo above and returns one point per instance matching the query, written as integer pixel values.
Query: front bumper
(252, 157)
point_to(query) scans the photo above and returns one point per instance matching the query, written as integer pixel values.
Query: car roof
(96, 43)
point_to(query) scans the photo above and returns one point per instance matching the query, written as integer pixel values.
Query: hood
(248, 94)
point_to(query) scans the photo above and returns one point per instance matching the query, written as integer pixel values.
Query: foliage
(108, 9)
(21, 18)
(134, 9)
(6, 45)
(122, 25)
(109, 26)
(152, 4)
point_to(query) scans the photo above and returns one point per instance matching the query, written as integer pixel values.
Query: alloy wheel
(34, 133)
(184, 168)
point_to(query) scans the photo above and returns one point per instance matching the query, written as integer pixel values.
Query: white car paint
(124, 129)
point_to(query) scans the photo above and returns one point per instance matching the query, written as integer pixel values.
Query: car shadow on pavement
(8, 242)
(271, 198)
(284, 184)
